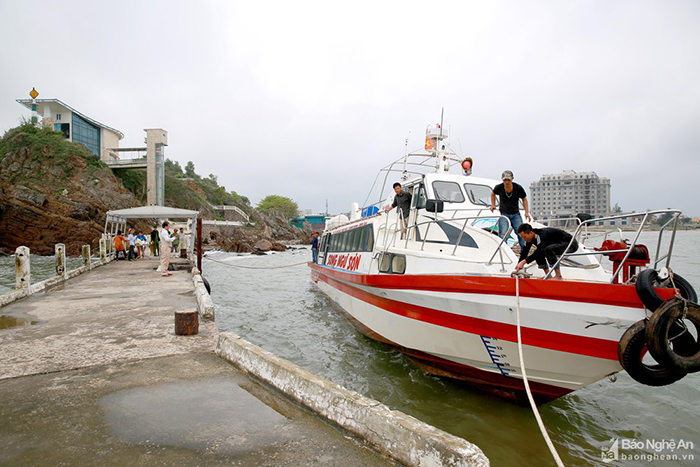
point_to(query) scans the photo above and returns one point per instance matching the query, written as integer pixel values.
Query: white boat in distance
(441, 290)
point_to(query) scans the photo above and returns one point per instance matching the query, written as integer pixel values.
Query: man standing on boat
(509, 194)
(403, 201)
(314, 247)
(551, 244)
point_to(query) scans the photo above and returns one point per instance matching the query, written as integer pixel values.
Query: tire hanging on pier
(675, 321)
(206, 285)
(631, 351)
(647, 279)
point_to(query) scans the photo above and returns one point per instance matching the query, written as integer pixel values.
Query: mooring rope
(254, 267)
(543, 429)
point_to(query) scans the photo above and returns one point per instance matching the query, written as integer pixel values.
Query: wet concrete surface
(119, 312)
(184, 410)
(100, 378)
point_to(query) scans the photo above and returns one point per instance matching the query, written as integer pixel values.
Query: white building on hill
(98, 138)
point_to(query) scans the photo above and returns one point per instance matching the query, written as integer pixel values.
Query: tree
(285, 205)
(173, 167)
(189, 169)
(664, 218)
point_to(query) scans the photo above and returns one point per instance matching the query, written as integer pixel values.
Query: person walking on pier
(166, 242)
(120, 245)
(132, 246)
(154, 242)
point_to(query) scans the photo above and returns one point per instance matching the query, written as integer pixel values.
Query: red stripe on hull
(502, 386)
(568, 291)
(552, 340)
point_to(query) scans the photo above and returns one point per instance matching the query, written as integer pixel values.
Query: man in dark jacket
(550, 243)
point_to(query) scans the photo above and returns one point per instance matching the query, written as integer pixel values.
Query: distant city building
(98, 138)
(569, 193)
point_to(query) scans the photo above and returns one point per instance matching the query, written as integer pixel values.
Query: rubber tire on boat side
(664, 323)
(631, 351)
(206, 285)
(645, 289)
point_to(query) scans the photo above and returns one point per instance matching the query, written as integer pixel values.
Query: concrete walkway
(101, 379)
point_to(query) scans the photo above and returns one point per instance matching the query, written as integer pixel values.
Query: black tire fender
(206, 285)
(645, 289)
(630, 352)
(686, 290)
(647, 279)
(664, 324)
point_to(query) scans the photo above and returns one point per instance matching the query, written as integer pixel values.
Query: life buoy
(645, 288)
(631, 351)
(669, 324)
(206, 285)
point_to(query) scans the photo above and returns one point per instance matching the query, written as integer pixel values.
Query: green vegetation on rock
(279, 203)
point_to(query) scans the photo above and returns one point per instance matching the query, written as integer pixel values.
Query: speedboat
(439, 287)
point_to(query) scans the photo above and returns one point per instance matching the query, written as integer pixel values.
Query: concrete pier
(101, 378)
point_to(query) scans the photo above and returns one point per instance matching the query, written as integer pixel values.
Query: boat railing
(648, 216)
(391, 235)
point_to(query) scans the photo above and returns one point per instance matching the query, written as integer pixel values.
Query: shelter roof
(152, 212)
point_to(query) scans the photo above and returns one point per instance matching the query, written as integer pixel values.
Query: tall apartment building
(569, 193)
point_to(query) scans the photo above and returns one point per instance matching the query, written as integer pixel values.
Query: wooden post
(23, 278)
(103, 249)
(61, 260)
(199, 244)
(186, 323)
(86, 256)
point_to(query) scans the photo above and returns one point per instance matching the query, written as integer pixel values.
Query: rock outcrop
(53, 191)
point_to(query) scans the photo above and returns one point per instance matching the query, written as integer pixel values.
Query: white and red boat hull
(464, 326)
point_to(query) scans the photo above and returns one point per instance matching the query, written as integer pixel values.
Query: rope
(543, 429)
(253, 267)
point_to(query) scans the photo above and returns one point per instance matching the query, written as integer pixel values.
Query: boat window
(363, 239)
(343, 242)
(478, 194)
(398, 264)
(392, 264)
(419, 197)
(369, 246)
(384, 263)
(354, 240)
(448, 191)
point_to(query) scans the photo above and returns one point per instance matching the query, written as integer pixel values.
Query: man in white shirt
(166, 243)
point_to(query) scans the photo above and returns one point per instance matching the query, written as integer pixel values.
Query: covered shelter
(116, 220)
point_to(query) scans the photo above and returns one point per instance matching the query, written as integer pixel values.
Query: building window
(86, 134)
(63, 128)
(58, 116)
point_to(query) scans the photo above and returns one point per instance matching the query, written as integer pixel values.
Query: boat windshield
(478, 194)
(448, 191)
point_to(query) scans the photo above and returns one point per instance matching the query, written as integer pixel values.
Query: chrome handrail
(642, 224)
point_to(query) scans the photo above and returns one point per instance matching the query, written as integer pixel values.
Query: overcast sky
(309, 99)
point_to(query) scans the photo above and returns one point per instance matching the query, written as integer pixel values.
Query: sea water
(282, 311)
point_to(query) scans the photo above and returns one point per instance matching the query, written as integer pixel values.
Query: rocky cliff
(53, 191)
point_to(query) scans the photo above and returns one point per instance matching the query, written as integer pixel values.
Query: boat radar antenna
(434, 144)
(404, 174)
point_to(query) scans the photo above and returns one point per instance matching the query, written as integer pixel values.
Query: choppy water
(41, 268)
(283, 312)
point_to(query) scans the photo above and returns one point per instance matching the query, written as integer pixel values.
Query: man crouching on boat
(550, 243)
